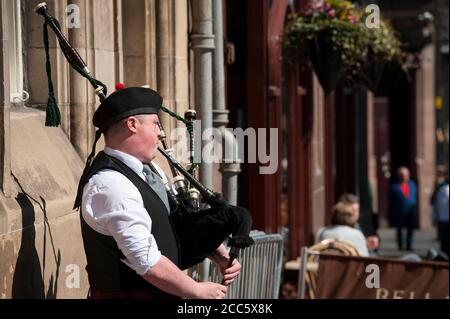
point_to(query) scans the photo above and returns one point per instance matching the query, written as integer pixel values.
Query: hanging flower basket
(384, 48)
(371, 73)
(332, 35)
(326, 61)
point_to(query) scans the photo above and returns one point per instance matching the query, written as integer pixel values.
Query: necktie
(154, 181)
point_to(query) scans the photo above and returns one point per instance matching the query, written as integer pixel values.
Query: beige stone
(134, 42)
(5, 139)
(104, 20)
(425, 134)
(39, 232)
(42, 236)
(39, 260)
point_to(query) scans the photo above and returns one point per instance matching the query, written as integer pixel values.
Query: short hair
(343, 214)
(118, 126)
(349, 198)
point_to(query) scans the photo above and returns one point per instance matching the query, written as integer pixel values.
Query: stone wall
(41, 253)
(425, 128)
(40, 241)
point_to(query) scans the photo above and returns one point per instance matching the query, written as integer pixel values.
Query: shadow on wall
(28, 279)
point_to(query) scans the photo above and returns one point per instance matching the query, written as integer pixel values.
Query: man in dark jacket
(403, 206)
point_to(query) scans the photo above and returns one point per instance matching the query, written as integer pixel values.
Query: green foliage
(357, 45)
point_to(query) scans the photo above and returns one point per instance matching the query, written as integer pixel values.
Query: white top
(113, 206)
(348, 234)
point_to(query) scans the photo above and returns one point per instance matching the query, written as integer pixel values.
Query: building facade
(223, 58)
(135, 42)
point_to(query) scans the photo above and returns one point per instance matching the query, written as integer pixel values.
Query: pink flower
(332, 13)
(353, 19)
(307, 12)
(318, 6)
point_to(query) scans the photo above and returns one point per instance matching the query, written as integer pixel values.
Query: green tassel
(52, 114)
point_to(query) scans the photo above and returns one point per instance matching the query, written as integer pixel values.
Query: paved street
(424, 240)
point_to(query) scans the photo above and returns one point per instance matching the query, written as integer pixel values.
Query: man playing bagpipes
(130, 236)
(138, 239)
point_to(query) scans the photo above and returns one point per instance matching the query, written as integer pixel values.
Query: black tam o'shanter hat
(124, 103)
(117, 106)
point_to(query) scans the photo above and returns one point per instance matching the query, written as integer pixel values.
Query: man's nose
(160, 133)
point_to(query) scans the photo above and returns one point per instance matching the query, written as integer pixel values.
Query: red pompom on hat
(120, 86)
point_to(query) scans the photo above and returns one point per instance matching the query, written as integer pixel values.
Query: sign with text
(380, 278)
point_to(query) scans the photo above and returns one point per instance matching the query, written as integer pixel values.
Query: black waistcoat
(106, 271)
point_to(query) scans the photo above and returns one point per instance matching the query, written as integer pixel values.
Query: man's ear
(132, 123)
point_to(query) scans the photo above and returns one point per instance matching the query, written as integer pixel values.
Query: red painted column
(264, 106)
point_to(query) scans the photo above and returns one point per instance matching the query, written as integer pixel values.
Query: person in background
(439, 201)
(289, 290)
(343, 221)
(373, 240)
(441, 179)
(403, 206)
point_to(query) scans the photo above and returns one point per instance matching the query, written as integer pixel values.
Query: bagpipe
(200, 231)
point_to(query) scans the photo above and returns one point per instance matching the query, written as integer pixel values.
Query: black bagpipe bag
(200, 233)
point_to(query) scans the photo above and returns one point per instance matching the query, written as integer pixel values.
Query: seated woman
(342, 228)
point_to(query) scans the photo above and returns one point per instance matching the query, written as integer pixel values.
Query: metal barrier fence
(261, 269)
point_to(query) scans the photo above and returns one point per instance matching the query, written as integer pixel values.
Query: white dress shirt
(113, 206)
